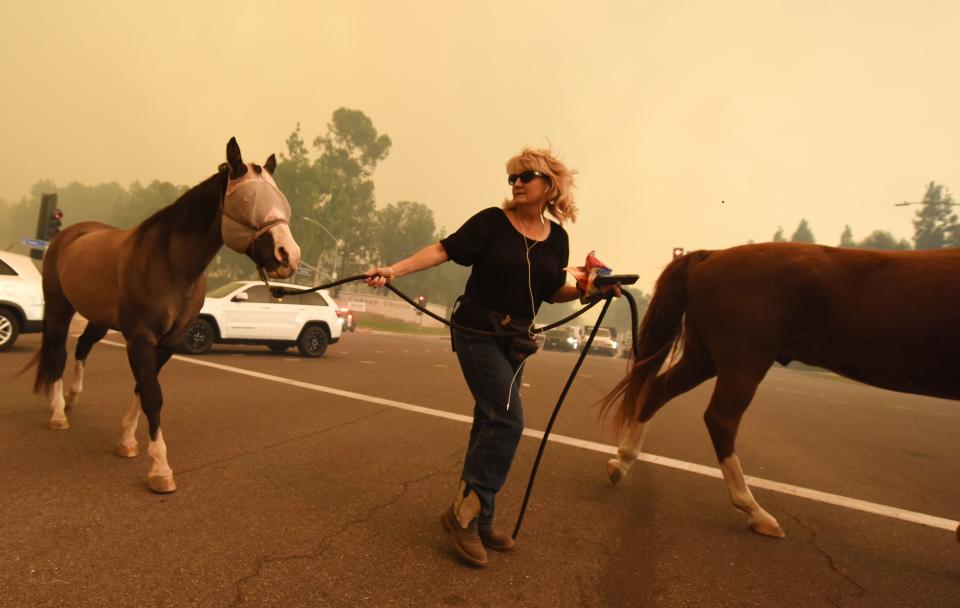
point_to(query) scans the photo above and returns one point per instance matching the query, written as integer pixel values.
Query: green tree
(778, 235)
(618, 315)
(881, 239)
(349, 153)
(935, 225)
(401, 230)
(140, 202)
(803, 233)
(846, 239)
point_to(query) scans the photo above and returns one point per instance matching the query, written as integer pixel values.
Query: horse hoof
(614, 472)
(58, 424)
(771, 529)
(127, 451)
(70, 400)
(162, 484)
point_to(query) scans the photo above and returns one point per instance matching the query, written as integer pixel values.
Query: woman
(518, 259)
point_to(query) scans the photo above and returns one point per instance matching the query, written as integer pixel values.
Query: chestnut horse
(147, 282)
(888, 319)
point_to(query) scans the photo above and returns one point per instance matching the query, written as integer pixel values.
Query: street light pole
(336, 244)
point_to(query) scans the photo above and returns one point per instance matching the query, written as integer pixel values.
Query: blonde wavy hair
(560, 200)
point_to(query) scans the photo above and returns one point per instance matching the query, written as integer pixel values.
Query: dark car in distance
(562, 338)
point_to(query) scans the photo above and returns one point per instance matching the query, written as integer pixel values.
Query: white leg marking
(741, 497)
(157, 450)
(128, 441)
(76, 387)
(57, 404)
(628, 451)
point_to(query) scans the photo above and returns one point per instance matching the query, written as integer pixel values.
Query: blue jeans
(496, 430)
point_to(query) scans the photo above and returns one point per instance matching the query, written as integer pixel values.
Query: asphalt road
(320, 483)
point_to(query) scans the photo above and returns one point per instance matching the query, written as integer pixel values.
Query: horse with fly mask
(147, 282)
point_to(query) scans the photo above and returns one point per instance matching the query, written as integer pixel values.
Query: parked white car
(21, 298)
(244, 312)
(604, 342)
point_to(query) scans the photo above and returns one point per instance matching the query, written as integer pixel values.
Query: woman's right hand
(379, 276)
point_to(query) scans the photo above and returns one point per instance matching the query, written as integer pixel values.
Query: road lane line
(923, 519)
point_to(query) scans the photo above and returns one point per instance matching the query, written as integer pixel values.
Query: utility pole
(336, 244)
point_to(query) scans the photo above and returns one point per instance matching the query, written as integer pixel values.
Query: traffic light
(48, 222)
(45, 219)
(677, 252)
(54, 223)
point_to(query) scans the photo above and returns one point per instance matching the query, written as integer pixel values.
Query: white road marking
(368, 362)
(800, 492)
(524, 385)
(439, 365)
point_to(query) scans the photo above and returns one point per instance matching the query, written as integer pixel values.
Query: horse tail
(32, 362)
(660, 334)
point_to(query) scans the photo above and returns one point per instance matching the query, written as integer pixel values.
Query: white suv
(21, 298)
(244, 312)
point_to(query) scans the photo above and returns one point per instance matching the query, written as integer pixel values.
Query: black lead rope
(553, 416)
(279, 292)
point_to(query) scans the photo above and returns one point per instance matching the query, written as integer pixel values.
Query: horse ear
(234, 160)
(271, 164)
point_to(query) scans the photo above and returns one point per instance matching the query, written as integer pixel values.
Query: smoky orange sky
(826, 110)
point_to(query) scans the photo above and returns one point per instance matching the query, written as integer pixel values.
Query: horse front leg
(146, 359)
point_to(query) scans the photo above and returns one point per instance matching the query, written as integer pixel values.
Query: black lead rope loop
(279, 292)
(553, 416)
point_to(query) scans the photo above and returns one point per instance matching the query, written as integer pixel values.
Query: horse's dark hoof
(127, 451)
(614, 472)
(162, 484)
(58, 424)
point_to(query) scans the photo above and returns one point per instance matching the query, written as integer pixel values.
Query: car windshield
(603, 333)
(223, 290)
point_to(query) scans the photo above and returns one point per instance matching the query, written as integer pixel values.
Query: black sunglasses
(525, 177)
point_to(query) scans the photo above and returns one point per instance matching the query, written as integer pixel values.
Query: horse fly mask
(252, 205)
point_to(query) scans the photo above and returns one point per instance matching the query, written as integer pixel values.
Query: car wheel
(313, 341)
(278, 348)
(199, 337)
(9, 329)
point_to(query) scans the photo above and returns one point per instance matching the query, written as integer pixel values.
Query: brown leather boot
(496, 540)
(460, 522)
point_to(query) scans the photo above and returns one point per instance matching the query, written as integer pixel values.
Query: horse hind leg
(694, 367)
(90, 336)
(732, 395)
(53, 357)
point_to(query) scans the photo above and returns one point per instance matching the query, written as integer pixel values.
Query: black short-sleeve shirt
(497, 252)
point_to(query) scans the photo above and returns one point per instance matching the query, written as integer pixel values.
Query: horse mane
(193, 211)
